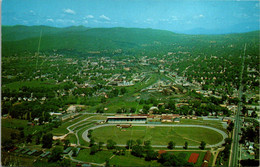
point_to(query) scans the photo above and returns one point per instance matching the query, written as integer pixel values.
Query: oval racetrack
(224, 135)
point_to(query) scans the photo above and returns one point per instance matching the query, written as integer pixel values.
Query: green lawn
(200, 121)
(99, 157)
(18, 123)
(130, 160)
(122, 160)
(72, 138)
(158, 135)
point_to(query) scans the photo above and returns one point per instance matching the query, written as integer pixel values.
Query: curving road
(224, 135)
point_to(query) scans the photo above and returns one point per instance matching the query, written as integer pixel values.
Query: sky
(185, 16)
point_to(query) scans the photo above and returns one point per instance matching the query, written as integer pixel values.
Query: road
(224, 135)
(235, 144)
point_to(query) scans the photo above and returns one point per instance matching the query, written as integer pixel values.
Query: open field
(99, 157)
(158, 135)
(15, 124)
(130, 160)
(72, 138)
(200, 121)
(122, 160)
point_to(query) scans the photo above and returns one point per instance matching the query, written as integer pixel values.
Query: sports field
(158, 135)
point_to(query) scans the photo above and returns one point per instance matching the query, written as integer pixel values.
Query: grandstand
(126, 119)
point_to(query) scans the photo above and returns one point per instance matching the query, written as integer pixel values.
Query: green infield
(158, 135)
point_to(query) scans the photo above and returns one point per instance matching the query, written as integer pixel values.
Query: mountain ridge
(85, 39)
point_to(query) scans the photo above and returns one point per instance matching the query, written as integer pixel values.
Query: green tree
(100, 145)
(107, 163)
(56, 154)
(147, 145)
(171, 105)
(94, 149)
(66, 144)
(151, 155)
(74, 151)
(91, 142)
(29, 138)
(47, 140)
(123, 90)
(13, 136)
(90, 133)
(130, 144)
(65, 162)
(146, 109)
(138, 142)
(21, 134)
(202, 145)
(230, 126)
(111, 144)
(132, 110)
(171, 145)
(185, 145)
(38, 139)
(7, 144)
(137, 151)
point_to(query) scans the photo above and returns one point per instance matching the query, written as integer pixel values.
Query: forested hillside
(81, 39)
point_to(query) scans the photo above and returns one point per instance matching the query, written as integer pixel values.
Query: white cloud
(148, 21)
(69, 11)
(198, 16)
(50, 20)
(104, 17)
(175, 18)
(89, 17)
(85, 22)
(32, 12)
(164, 20)
(201, 16)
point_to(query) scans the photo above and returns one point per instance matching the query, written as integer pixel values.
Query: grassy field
(130, 160)
(99, 157)
(200, 121)
(72, 138)
(12, 125)
(158, 135)
(123, 160)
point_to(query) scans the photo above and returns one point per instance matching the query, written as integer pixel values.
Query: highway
(235, 145)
